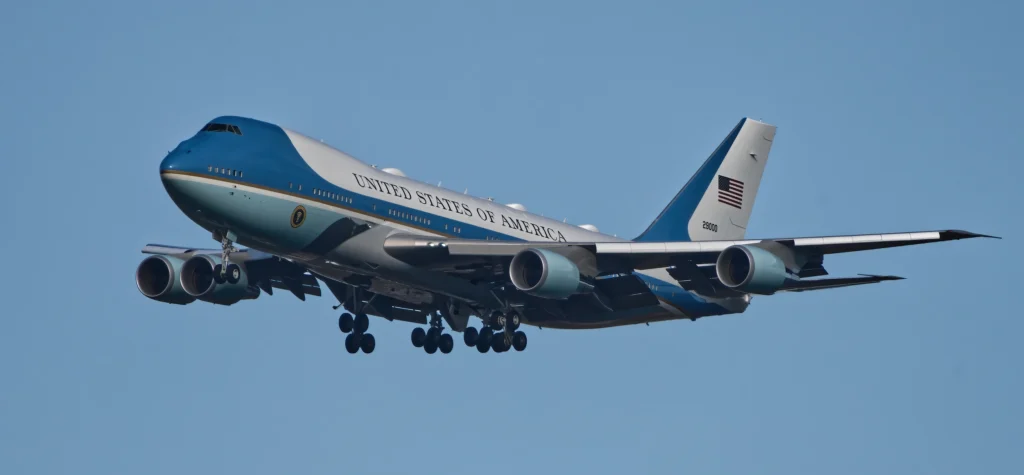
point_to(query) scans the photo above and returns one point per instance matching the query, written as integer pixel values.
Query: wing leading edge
(650, 255)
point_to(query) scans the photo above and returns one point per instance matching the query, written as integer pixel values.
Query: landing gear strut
(434, 338)
(356, 327)
(499, 333)
(226, 272)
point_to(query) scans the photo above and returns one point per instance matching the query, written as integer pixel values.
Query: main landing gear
(500, 333)
(226, 272)
(434, 338)
(358, 338)
(356, 326)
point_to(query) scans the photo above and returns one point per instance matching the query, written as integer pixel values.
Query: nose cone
(179, 162)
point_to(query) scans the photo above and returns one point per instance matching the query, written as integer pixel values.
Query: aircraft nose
(176, 159)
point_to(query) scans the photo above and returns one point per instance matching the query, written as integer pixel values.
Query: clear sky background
(892, 117)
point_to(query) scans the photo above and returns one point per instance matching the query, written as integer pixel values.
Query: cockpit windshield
(215, 127)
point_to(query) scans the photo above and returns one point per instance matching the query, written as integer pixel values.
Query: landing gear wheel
(446, 343)
(519, 341)
(498, 343)
(512, 322)
(352, 342)
(483, 341)
(485, 336)
(362, 322)
(367, 343)
(430, 346)
(234, 273)
(419, 336)
(345, 322)
(218, 274)
(469, 336)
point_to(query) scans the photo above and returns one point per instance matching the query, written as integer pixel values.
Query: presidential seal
(298, 216)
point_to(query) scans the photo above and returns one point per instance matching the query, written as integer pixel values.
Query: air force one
(390, 246)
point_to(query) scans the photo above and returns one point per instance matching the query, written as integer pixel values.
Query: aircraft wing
(689, 261)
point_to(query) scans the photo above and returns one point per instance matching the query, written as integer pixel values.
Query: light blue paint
(891, 117)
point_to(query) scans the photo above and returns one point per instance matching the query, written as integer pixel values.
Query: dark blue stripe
(688, 302)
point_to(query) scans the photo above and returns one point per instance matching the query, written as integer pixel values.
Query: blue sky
(891, 116)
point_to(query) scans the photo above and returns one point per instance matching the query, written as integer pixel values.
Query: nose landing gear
(226, 271)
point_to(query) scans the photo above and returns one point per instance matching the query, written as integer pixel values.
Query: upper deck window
(215, 127)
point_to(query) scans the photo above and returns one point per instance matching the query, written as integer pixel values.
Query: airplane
(387, 245)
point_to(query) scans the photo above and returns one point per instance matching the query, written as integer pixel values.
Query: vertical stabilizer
(717, 201)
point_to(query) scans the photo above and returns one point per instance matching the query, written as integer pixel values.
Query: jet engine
(546, 274)
(750, 269)
(157, 278)
(197, 279)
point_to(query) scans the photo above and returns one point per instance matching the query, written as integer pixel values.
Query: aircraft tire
(430, 346)
(482, 347)
(470, 335)
(352, 343)
(362, 322)
(519, 341)
(367, 343)
(218, 276)
(512, 322)
(445, 343)
(419, 337)
(498, 343)
(234, 273)
(484, 338)
(345, 322)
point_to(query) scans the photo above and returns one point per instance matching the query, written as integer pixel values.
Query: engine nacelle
(546, 274)
(750, 269)
(197, 281)
(157, 278)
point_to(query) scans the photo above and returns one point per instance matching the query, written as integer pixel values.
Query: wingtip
(883, 277)
(961, 234)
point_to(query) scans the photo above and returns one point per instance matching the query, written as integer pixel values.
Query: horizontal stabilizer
(819, 284)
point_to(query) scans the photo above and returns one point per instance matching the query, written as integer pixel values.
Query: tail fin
(716, 203)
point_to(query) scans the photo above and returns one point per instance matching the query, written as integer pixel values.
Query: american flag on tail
(730, 191)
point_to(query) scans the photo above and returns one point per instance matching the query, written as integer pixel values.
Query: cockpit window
(214, 127)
